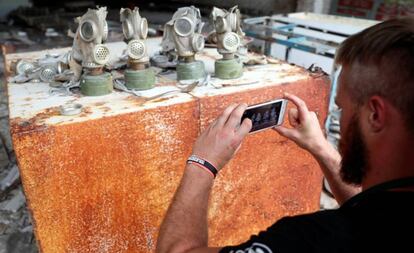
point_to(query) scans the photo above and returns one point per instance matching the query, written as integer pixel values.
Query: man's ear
(377, 114)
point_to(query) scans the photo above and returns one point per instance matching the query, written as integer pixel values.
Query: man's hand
(221, 140)
(306, 131)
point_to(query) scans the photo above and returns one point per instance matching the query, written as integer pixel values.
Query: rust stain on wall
(18, 125)
(104, 185)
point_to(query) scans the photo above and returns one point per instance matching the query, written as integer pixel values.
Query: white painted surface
(26, 101)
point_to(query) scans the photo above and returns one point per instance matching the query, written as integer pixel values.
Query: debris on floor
(16, 230)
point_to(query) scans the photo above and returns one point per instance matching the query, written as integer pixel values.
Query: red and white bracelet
(202, 163)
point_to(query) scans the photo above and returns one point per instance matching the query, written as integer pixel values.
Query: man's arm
(184, 229)
(185, 224)
(307, 133)
(330, 162)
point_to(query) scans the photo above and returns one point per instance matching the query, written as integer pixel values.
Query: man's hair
(381, 59)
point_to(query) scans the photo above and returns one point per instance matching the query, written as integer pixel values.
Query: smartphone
(266, 115)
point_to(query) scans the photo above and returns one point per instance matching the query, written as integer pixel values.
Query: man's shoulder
(376, 224)
(316, 232)
(321, 225)
(319, 216)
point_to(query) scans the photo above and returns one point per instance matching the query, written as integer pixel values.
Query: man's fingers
(286, 132)
(244, 128)
(300, 104)
(225, 115)
(293, 117)
(235, 117)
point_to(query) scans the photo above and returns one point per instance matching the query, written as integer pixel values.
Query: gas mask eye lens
(144, 28)
(87, 30)
(23, 67)
(198, 42)
(233, 18)
(127, 29)
(183, 26)
(105, 31)
(221, 25)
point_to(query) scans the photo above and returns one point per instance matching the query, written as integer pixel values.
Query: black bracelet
(206, 165)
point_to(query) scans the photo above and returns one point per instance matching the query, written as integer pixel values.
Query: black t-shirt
(380, 222)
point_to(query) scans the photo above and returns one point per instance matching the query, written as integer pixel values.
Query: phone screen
(264, 116)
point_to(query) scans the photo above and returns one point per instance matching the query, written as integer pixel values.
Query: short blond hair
(387, 51)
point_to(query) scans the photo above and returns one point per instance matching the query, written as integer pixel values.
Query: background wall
(7, 6)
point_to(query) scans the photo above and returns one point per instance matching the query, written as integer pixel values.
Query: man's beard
(354, 154)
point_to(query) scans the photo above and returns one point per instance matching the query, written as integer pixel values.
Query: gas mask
(182, 36)
(33, 72)
(91, 54)
(228, 31)
(229, 39)
(138, 75)
(46, 69)
(92, 31)
(135, 29)
(23, 67)
(183, 33)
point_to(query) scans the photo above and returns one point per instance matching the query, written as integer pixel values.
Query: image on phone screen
(265, 115)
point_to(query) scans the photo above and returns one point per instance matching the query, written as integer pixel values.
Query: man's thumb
(284, 131)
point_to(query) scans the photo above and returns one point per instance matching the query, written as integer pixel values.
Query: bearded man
(372, 177)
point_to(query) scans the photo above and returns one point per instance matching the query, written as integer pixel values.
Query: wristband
(193, 159)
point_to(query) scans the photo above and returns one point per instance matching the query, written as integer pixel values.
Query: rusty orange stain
(106, 109)
(22, 125)
(166, 84)
(85, 111)
(136, 100)
(99, 104)
(90, 185)
(35, 123)
(161, 99)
